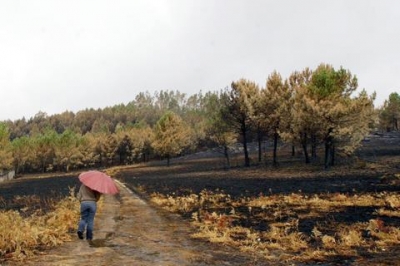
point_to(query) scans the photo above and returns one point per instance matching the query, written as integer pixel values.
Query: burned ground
(373, 171)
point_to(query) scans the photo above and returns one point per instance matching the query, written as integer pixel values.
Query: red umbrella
(99, 181)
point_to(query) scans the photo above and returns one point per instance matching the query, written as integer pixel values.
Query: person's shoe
(80, 235)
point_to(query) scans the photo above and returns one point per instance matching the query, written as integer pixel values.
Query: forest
(314, 109)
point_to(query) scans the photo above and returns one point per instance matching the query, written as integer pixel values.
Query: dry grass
(282, 238)
(290, 213)
(22, 237)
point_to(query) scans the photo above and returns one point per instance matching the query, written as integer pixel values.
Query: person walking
(88, 199)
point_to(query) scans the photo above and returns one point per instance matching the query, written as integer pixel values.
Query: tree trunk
(275, 162)
(293, 150)
(304, 145)
(327, 154)
(167, 159)
(246, 152)
(259, 139)
(43, 166)
(314, 146)
(333, 154)
(328, 149)
(16, 168)
(226, 153)
(101, 159)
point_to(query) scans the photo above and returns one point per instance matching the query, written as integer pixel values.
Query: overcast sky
(71, 55)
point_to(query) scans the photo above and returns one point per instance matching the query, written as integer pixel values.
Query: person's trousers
(88, 211)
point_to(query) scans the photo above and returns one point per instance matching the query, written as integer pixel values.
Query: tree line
(309, 109)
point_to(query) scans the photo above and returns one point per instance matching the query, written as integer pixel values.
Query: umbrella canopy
(98, 181)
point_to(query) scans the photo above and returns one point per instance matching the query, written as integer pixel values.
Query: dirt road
(128, 231)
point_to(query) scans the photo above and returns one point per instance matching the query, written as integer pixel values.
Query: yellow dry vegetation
(22, 237)
(282, 239)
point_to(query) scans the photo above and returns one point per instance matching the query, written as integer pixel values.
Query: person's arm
(97, 195)
(79, 194)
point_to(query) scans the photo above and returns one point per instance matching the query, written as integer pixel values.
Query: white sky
(71, 55)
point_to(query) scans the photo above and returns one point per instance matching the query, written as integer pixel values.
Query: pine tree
(300, 124)
(171, 135)
(390, 113)
(21, 148)
(326, 110)
(274, 108)
(219, 131)
(6, 158)
(240, 105)
(66, 150)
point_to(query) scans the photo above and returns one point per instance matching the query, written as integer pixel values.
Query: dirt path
(130, 232)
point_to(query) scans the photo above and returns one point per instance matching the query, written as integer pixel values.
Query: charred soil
(132, 228)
